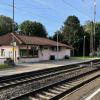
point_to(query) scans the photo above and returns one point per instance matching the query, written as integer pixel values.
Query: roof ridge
(15, 36)
(31, 36)
(30, 40)
(42, 38)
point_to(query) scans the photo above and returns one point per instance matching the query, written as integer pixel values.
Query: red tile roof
(29, 40)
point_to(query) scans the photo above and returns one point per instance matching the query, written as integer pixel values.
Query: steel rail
(47, 76)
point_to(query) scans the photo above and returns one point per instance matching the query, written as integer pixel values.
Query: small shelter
(23, 48)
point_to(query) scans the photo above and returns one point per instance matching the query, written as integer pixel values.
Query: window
(33, 52)
(45, 47)
(2, 52)
(55, 48)
(23, 52)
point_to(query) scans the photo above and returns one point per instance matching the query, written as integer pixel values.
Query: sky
(51, 13)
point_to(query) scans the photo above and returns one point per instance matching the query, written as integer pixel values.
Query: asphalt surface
(96, 97)
(84, 92)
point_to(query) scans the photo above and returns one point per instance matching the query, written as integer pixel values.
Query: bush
(9, 61)
(52, 57)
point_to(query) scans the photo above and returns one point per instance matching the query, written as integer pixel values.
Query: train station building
(23, 48)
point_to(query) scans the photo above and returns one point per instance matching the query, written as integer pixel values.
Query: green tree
(88, 27)
(73, 34)
(6, 25)
(72, 29)
(60, 36)
(33, 29)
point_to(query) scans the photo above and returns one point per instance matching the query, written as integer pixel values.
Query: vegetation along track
(19, 86)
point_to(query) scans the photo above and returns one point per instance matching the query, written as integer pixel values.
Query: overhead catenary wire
(54, 18)
(28, 12)
(49, 9)
(32, 13)
(91, 24)
(92, 37)
(70, 5)
(65, 2)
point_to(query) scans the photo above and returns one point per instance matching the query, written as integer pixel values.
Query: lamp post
(99, 45)
(84, 47)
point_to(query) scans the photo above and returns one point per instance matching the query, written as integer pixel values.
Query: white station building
(30, 49)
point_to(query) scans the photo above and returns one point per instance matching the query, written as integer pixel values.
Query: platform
(27, 67)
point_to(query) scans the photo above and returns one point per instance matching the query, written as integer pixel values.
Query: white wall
(45, 54)
(8, 53)
(2, 60)
(28, 60)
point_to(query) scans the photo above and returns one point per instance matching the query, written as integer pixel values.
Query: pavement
(96, 97)
(90, 91)
(27, 67)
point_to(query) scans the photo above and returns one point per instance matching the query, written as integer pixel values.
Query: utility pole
(13, 28)
(99, 45)
(13, 15)
(94, 15)
(91, 38)
(57, 45)
(84, 47)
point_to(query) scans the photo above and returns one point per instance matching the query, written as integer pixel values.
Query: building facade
(23, 48)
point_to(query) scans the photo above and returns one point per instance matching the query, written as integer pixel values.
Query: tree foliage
(88, 27)
(33, 29)
(72, 29)
(6, 25)
(60, 36)
(72, 33)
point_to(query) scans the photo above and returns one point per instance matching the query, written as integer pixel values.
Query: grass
(4, 66)
(86, 57)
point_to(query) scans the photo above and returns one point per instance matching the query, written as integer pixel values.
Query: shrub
(9, 61)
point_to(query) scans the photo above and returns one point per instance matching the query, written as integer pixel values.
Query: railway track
(19, 86)
(57, 91)
(4, 83)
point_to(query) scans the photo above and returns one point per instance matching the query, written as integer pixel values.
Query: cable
(87, 6)
(47, 8)
(65, 2)
(31, 13)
